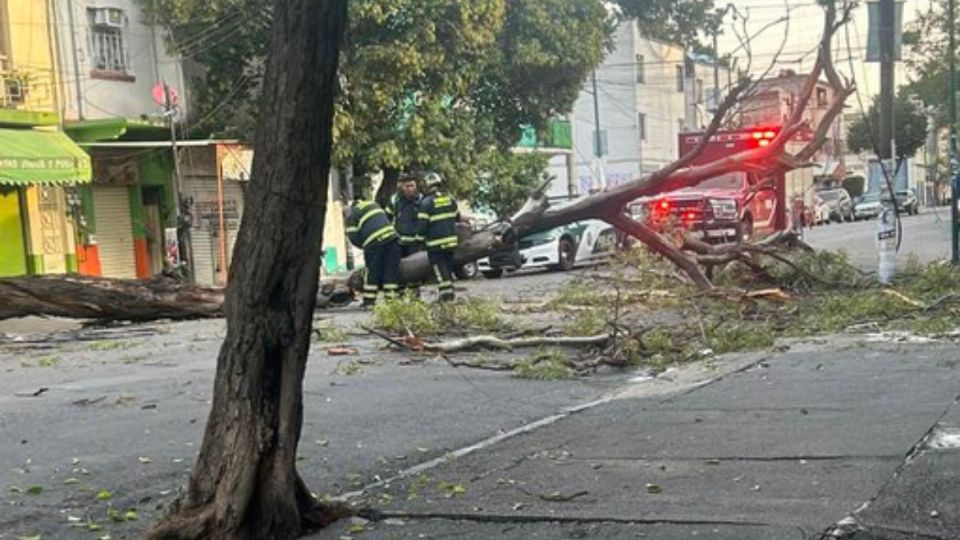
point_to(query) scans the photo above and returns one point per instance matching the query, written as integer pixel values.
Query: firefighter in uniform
(438, 226)
(403, 210)
(369, 228)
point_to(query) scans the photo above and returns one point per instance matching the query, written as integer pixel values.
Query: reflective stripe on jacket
(367, 225)
(438, 221)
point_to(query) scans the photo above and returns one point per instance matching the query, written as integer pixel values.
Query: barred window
(107, 48)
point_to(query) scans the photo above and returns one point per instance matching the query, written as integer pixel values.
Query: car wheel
(467, 271)
(492, 274)
(746, 229)
(567, 254)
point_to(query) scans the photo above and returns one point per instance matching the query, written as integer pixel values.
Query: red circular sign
(160, 95)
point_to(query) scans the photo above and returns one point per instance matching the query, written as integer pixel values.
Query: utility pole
(184, 220)
(572, 160)
(716, 68)
(598, 138)
(954, 155)
(887, 67)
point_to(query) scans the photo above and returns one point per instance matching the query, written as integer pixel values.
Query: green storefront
(36, 230)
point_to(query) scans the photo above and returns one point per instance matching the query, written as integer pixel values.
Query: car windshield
(829, 195)
(733, 180)
(903, 194)
(870, 198)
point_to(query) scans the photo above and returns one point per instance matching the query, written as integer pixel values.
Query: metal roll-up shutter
(203, 190)
(204, 264)
(111, 207)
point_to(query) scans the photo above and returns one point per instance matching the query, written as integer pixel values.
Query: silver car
(869, 207)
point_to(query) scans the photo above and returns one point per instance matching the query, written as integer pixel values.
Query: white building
(110, 60)
(640, 101)
(706, 84)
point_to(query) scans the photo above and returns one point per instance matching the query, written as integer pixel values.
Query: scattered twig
(493, 342)
(35, 393)
(89, 401)
(946, 299)
(391, 339)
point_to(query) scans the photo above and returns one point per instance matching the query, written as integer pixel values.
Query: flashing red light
(691, 216)
(757, 135)
(769, 135)
(664, 205)
(764, 142)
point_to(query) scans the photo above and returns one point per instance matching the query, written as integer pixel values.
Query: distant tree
(910, 128)
(925, 44)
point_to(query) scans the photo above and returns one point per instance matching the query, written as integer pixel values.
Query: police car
(561, 248)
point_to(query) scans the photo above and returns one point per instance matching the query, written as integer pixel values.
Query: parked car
(819, 212)
(907, 201)
(869, 207)
(560, 248)
(839, 203)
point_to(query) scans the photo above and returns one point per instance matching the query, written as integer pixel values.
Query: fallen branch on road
(493, 342)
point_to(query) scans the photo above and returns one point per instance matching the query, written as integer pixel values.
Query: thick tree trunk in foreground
(245, 484)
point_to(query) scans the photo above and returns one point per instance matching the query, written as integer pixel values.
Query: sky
(803, 34)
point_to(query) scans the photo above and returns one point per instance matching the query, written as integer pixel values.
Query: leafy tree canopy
(439, 84)
(910, 127)
(925, 42)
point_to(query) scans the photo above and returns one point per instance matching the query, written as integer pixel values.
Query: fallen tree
(119, 300)
(765, 162)
(110, 300)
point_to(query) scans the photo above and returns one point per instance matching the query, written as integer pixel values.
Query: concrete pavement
(783, 449)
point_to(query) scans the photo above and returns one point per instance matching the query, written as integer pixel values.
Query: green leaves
(910, 131)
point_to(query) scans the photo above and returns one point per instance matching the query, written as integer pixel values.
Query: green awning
(112, 129)
(33, 156)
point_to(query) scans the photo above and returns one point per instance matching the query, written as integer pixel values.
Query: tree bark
(107, 300)
(245, 484)
(82, 297)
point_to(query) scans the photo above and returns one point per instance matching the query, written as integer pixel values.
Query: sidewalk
(783, 449)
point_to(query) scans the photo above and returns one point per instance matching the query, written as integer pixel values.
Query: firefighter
(369, 228)
(438, 226)
(403, 210)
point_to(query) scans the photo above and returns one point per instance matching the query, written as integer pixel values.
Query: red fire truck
(725, 207)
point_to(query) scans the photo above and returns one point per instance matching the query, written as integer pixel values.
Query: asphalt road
(926, 236)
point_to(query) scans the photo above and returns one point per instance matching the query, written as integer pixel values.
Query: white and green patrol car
(561, 248)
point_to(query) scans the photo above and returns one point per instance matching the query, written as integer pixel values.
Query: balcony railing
(26, 88)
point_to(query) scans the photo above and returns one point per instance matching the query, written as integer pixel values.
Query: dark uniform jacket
(404, 213)
(368, 226)
(438, 221)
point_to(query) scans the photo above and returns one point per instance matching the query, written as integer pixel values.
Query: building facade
(40, 167)
(628, 126)
(774, 102)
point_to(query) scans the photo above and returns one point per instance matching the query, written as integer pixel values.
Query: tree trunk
(82, 297)
(109, 300)
(245, 484)
(388, 186)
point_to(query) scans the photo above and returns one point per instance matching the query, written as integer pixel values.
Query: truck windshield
(732, 181)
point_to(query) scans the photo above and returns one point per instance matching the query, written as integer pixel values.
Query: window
(641, 75)
(822, 98)
(642, 126)
(108, 52)
(679, 78)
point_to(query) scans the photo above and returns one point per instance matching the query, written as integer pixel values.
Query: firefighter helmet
(432, 180)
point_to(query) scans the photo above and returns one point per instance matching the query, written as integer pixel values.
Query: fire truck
(723, 208)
